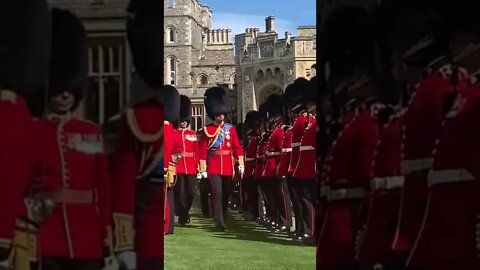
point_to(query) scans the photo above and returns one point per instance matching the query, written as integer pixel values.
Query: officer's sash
(218, 140)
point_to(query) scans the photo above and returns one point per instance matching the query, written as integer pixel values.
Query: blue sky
(240, 14)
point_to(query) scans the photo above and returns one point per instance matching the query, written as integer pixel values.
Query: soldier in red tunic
(137, 163)
(421, 126)
(172, 114)
(305, 170)
(449, 235)
(290, 99)
(252, 210)
(274, 188)
(186, 149)
(22, 70)
(72, 168)
(219, 150)
(260, 166)
(348, 166)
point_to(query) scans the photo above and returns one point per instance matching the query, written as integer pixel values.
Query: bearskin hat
(292, 96)
(144, 32)
(185, 109)
(171, 103)
(263, 113)
(417, 28)
(25, 45)
(215, 102)
(251, 119)
(69, 62)
(274, 105)
(310, 93)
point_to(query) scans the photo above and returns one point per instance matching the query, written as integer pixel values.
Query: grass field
(244, 245)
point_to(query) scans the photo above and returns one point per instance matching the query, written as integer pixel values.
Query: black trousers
(295, 204)
(284, 202)
(305, 193)
(221, 187)
(152, 264)
(252, 194)
(50, 263)
(205, 190)
(271, 198)
(184, 192)
(171, 203)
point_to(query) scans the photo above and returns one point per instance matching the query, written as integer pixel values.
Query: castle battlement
(218, 36)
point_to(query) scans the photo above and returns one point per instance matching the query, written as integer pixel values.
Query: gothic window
(106, 93)
(259, 74)
(269, 73)
(171, 35)
(202, 80)
(172, 69)
(197, 116)
(278, 72)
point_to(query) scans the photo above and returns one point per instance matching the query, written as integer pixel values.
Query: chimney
(270, 24)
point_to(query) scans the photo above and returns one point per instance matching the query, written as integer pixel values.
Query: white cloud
(239, 22)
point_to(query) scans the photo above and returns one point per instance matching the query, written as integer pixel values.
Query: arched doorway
(267, 91)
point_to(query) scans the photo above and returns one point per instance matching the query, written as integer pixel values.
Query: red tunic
(273, 148)
(306, 165)
(349, 170)
(260, 163)
(450, 227)
(298, 128)
(186, 148)
(17, 163)
(286, 152)
(422, 124)
(384, 196)
(220, 160)
(72, 170)
(137, 157)
(250, 157)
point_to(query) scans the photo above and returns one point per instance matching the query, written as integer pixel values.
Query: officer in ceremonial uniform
(305, 170)
(78, 233)
(22, 69)
(252, 209)
(279, 202)
(137, 163)
(172, 114)
(449, 235)
(186, 149)
(219, 150)
(421, 126)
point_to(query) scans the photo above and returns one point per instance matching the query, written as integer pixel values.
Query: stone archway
(266, 91)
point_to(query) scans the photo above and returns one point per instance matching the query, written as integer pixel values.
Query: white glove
(128, 260)
(111, 263)
(241, 169)
(204, 174)
(199, 176)
(5, 265)
(359, 240)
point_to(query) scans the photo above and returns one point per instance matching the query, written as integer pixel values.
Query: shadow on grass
(239, 229)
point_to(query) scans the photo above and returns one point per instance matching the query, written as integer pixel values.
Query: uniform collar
(58, 118)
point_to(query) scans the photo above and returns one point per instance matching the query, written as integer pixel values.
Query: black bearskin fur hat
(144, 32)
(274, 105)
(185, 109)
(215, 102)
(172, 104)
(25, 46)
(69, 62)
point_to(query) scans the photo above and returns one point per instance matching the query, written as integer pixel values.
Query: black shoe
(188, 219)
(220, 228)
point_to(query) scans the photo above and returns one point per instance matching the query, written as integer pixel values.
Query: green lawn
(245, 245)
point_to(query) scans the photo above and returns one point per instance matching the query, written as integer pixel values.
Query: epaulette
(135, 129)
(9, 96)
